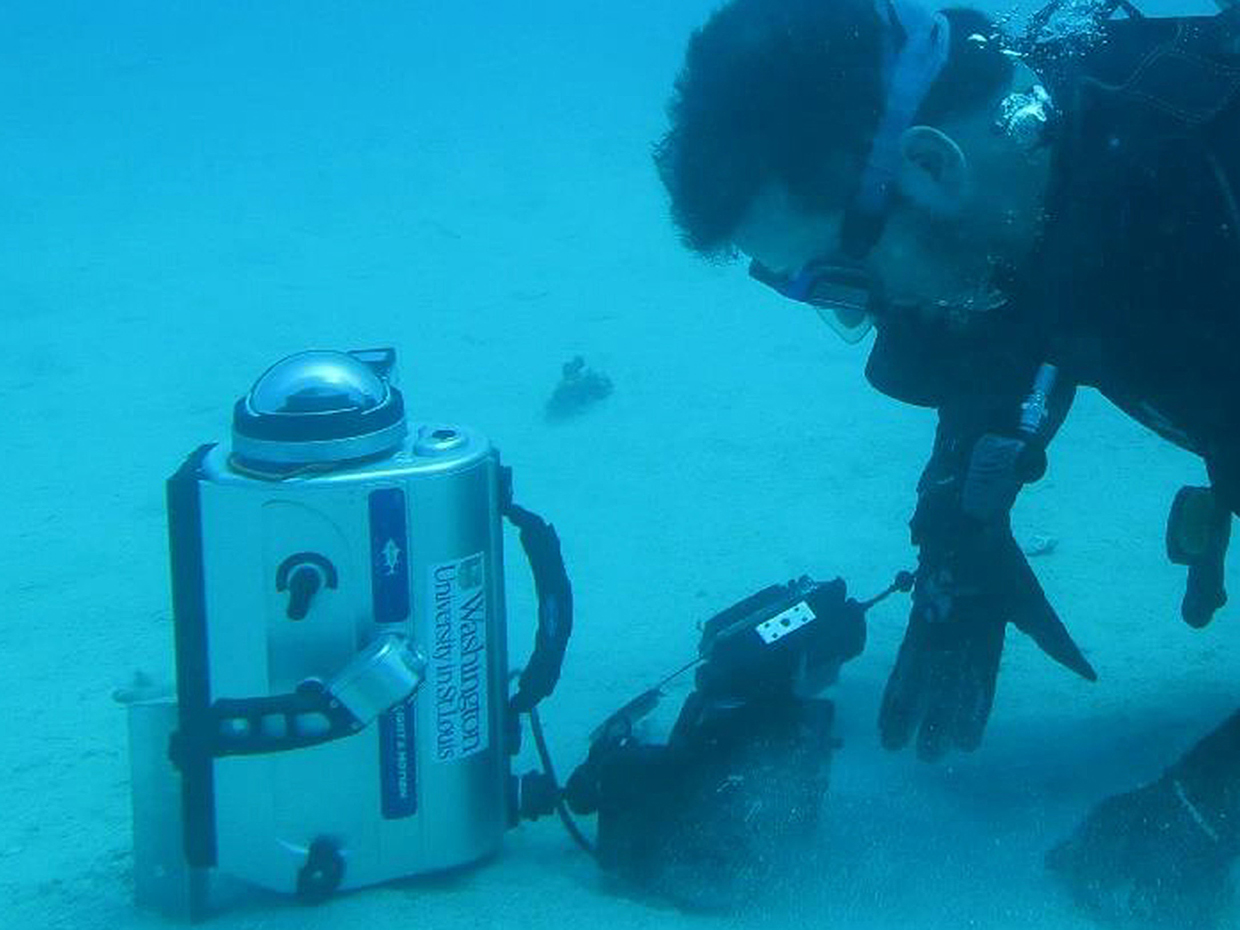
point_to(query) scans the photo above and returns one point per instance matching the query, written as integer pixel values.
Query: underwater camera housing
(342, 715)
(730, 802)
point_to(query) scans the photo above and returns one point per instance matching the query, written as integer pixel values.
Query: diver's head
(856, 152)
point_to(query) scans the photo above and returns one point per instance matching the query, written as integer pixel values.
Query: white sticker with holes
(785, 622)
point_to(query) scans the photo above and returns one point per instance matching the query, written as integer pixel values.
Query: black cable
(903, 583)
(561, 808)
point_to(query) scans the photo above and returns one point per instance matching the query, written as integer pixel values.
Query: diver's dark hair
(790, 90)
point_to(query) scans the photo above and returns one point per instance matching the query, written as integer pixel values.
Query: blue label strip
(389, 556)
(389, 585)
(397, 762)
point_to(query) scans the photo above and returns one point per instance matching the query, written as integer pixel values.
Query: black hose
(903, 583)
(561, 808)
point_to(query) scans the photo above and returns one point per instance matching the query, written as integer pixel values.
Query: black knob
(303, 584)
(322, 873)
(539, 795)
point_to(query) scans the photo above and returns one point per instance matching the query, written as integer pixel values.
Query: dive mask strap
(909, 70)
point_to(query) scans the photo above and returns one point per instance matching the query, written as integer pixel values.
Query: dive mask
(841, 291)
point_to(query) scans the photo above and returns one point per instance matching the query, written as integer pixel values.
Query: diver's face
(949, 220)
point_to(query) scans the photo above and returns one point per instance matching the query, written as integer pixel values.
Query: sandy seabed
(191, 195)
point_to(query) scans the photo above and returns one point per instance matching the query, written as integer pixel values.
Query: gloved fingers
(904, 694)
(1198, 532)
(918, 672)
(943, 684)
(961, 690)
(1032, 614)
(945, 671)
(1204, 593)
(1041, 624)
(977, 691)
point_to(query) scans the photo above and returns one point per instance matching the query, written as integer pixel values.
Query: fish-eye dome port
(317, 408)
(317, 382)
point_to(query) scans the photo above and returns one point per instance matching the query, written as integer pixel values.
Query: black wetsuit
(1133, 289)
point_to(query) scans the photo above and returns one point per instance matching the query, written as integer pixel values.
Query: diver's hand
(1198, 531)
(1149, 856)
(943, 684)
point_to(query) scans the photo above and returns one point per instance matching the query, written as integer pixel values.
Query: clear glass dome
(318, 381)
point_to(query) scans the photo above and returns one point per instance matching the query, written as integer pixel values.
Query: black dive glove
(1198, 531)
(972, 581)
(1153, 856)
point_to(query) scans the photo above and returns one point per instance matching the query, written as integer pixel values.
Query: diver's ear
(934, 173)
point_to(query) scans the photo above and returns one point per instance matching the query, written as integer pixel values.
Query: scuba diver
(1014, 218)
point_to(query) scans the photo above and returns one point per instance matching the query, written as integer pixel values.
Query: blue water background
(189, 191)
